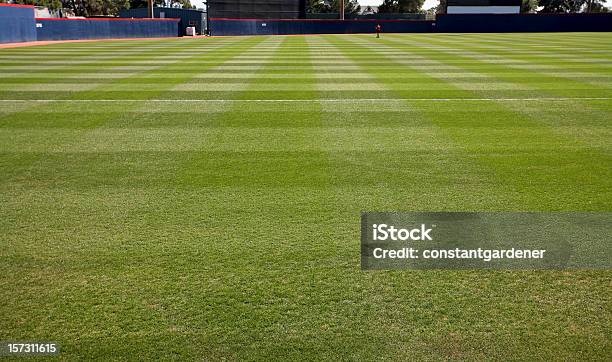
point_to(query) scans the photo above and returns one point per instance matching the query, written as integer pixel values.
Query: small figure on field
(378, 30)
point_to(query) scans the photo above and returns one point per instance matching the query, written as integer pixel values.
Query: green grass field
(200, 198)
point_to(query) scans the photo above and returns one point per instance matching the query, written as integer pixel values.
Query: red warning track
(17, 5)
(38, 43)
(109, 19)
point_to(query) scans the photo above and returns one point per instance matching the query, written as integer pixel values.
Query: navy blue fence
(71, 29)
(514, 23)
(219, 26)
(17, 23)
(453, 23)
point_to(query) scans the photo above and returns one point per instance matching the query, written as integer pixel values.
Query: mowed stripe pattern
(200, 198)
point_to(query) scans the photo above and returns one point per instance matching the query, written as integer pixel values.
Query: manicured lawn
(200, 198)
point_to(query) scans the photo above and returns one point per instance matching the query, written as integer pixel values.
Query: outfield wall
(73, 29)
(222, 26)
(447, 23)
(517, 23)
(17, 23)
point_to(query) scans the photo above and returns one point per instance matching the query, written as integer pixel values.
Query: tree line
(102, 7)
(416, 6)
(351, 7)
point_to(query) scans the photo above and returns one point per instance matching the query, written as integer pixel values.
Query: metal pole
(341, 9)
(150, 9)
(207, 19)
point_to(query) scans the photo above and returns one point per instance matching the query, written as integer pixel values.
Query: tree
(529, 6)
(102, 7)
(441, 8)
(599, 8)
(317, 7)
(51, 4)
(95, 7)
(401, 6)
(596, 6)
(180, 4)
(561, 6)
(351, 7)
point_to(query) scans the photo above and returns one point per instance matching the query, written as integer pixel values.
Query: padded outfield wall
(449, 23)
(17, 23)
(112, 28)
(221, 26)
(517, 23)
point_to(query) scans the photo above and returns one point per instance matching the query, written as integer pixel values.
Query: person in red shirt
(378, 30)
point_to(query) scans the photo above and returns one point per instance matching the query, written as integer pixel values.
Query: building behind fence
(188, 17)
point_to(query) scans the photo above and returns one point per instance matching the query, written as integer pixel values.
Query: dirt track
(37, 43)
